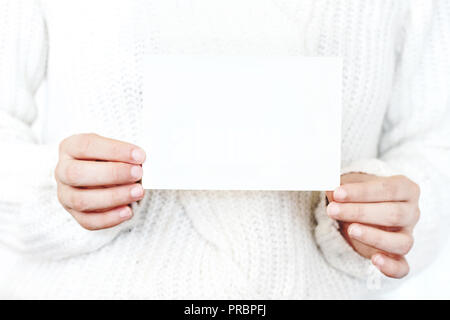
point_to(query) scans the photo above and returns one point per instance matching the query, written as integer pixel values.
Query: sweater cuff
(335, 249)
(375, 167)
(337, 252)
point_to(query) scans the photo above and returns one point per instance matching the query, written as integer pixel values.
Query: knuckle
(78, 202)
(85, 136)
(59, 194)
(413, 214)
(395, 217)
(79, 143)
(400, 178)
(62, 146)
(411, 185)
(361, 192)
(416, 217)
(389, 188)
(416, 190)
(55, 172)
(407, 269)
(83, 144)
(115, 196)
(123, 172)
(358, 212)
(72, 173)
(116, 149)
(91, 135)
(66, 143)
(407, 245)
(116, 173)
(376, 241)
(58, 171)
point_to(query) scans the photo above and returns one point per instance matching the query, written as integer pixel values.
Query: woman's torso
(211, 244)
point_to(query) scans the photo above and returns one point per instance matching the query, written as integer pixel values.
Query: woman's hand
(97, 179)
(377, 216)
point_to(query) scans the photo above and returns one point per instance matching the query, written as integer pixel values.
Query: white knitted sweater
(213, 244)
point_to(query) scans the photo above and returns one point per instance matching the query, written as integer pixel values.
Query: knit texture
(213, 244)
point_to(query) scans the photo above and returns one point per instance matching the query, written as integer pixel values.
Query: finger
(352, 177)
(104, 220)
(388, 214)
(85, 200)
(390, 266)
(398, 243)
(95, 147)
(381, 189)
(81, 173)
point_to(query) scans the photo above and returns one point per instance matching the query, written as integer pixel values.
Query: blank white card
(241, 122)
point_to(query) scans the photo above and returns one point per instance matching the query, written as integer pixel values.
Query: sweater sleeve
(415, 139)
(32, 221)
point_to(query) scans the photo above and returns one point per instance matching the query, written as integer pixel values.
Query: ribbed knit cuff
(338, 253)
(372, 166)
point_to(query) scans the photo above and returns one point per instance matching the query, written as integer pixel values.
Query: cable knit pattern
(213, 244)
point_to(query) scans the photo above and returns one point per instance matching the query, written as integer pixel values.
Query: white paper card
(242, 122)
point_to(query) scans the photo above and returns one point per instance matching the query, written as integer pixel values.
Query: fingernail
(125, 212)
(138, 155)
(340, 194)
(333, 209)
(355, 231)
(378, 260)
(137, 191)
(136, 172)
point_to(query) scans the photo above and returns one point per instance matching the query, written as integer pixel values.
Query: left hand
(377, 216)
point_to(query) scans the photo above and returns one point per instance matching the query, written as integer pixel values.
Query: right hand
(97, 179)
